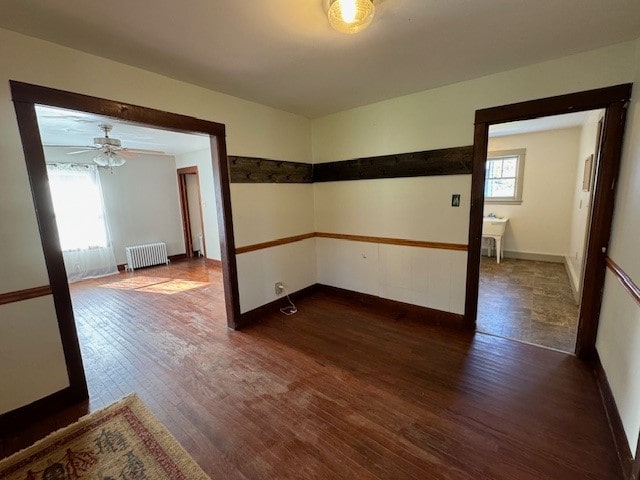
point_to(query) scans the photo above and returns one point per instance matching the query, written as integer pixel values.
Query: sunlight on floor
(165, 286)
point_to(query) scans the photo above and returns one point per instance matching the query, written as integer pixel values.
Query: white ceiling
(60, 127)
(284, 54)
(556, 122)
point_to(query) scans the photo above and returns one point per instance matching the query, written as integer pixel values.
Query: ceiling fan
(110, 152)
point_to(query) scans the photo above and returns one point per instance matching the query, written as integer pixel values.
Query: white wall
(202, 160)
(264, 212)
(143, 204)
(417, 208)
(252, 130)
(443, 117)
(581, 207)
(541, 223)
(436, 118)
(420, 208)
(261, 212)
(619, 331)
(192, 186)
(141, 199)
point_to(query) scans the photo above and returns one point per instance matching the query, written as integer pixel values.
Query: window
(504, 176)
(77, 202)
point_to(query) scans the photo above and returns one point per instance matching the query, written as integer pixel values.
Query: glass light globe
(350, 16)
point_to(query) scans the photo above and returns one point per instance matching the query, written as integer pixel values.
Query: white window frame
(520, 154)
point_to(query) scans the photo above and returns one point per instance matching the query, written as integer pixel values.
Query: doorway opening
(191, 208)
(536, 215)
(27, 98)
(613, 101)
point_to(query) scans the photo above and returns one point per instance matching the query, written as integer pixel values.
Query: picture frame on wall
(588, 170)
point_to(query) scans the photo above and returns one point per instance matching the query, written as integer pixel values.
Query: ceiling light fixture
(109, 159)
(350, 16)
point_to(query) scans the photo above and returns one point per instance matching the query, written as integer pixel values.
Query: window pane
(78, 207)
(500, 188)
(494, 168)
(509, 167)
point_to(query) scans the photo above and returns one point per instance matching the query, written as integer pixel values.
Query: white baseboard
(573, 279)
(538, 257)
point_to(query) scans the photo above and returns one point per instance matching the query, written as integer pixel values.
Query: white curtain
(82, 221)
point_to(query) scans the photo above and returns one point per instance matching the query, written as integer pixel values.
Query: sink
(494, 226)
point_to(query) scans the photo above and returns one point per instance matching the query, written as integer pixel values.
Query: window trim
(517, 198)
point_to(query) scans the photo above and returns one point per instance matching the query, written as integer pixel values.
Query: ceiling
(555, 122)
(59, 127)
(284, 54)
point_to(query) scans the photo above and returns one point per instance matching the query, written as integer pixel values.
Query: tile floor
(528, 301)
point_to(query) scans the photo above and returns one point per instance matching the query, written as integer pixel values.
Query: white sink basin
(494, 226)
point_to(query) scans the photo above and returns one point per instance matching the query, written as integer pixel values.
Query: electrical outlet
(279, 288)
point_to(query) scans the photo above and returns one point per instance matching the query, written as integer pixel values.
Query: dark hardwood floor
(338, 390)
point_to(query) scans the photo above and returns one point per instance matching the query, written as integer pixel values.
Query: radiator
(140, 256)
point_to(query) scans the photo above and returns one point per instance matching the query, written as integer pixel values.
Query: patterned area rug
(123, 441)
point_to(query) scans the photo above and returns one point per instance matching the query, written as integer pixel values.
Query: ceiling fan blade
(148, 152)
(126, 153)
(83, 151)
(68, 146)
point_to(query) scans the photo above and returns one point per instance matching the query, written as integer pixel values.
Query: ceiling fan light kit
(110, 151)
(109, 159)
(350, 16)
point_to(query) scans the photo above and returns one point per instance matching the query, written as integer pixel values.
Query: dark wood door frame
(613, 100)
(184, 208)
(25, 97)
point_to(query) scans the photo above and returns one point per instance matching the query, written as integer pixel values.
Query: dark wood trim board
(37, 173)
(437, 317)
(25, 97)
(613, 416)
(635, 471)
(35, 94)
(27, 294)
(354, 238)
(626, 281)
(212, 262)
(262, 170)
(255, 315)
(572, 102)
(394, 241)
(14, 420)
(185, 217)
(274, 243)
(446, 161)
(613, 100)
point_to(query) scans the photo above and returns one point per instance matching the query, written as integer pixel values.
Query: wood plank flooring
(338, 390)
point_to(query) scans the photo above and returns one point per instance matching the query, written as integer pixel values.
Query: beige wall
(267, 211)
(443, 117)
(252, 130)
(436, 118)
(417, 208)
(261, 212)
(193, 201)
(619, 332)
(141, 199)
(420, 208)
(542, 223)
(202, 160)
(142, 202)
(581, 205)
